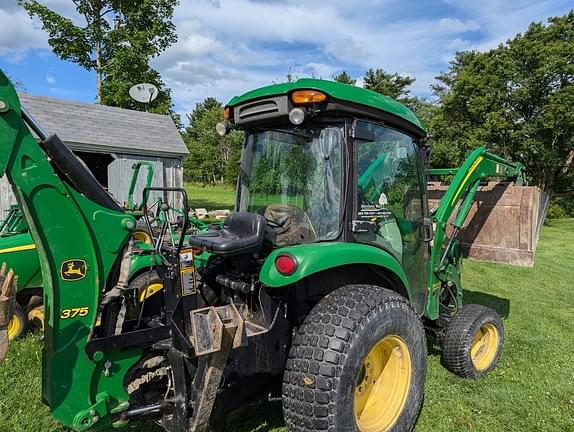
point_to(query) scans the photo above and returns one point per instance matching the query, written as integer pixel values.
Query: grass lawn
(532, 389)
(210, 197)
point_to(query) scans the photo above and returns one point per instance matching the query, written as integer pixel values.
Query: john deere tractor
(317, 290)
(18, 251)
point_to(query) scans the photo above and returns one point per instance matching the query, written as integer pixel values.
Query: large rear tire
(358, 363)
(473, 341)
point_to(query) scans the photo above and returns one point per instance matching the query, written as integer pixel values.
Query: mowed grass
(210, 197)
(532, 389)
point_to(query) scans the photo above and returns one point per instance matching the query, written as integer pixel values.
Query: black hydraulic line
(33, 124)
(451, 240)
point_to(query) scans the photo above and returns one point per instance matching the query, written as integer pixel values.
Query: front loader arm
(479, 166)
(80, 233)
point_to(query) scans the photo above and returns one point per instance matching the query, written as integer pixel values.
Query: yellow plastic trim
(484, 346)
(383, 385)
(18, 248)
(150, 290)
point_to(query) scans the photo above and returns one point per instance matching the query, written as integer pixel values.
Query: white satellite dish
(144, 93)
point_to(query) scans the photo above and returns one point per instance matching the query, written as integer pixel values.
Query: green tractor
(317, 290)
(18, 251)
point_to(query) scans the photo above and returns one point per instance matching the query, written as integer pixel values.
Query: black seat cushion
(241, 232)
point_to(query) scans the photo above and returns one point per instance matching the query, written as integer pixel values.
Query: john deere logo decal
(73, 270)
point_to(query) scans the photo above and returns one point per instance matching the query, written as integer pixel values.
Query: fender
(316, 257)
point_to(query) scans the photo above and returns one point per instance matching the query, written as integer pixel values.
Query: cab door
(390, 199)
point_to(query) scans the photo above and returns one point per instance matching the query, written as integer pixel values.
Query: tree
(212, 158)
(113, 31)
(516, 100)
(344, 78)
(393, 85)
(126, 69)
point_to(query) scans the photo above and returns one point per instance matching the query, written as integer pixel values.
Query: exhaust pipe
(7, 299)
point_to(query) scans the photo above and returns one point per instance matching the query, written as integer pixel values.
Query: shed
(110, 140)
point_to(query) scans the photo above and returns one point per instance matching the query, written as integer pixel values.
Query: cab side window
(388, 187)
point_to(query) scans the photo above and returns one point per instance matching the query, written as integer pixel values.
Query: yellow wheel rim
(14, 327)
(383, 385)
(143, 237)
(484, 346)
(36, 316)
(150, 290)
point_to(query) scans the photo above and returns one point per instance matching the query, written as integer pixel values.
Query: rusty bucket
(503, 224)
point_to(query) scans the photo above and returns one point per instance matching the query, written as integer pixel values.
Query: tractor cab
(317, 167)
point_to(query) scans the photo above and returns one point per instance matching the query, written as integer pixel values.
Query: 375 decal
(74, 312)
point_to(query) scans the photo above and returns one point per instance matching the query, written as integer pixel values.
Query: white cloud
(321, 70)
(501, 20)
(458, 26)
(19, 34)
(226, 47)
(50, 79)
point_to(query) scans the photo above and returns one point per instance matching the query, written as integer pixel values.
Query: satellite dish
(144, 92)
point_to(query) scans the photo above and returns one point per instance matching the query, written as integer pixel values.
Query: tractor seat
(241, 232)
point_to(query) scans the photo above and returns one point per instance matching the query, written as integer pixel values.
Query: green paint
(316, 257)
(134, 181)
(479, 165)
(336, 90)
(76, 229)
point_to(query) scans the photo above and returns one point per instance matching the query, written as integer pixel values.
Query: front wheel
(473, 340)
(358, 363)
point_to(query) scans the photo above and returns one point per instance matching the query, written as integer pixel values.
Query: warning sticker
(187, 273)
(374, 214)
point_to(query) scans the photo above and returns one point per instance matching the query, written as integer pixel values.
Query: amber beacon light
(308, 96)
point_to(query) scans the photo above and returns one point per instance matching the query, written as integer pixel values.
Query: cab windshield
(293, 178)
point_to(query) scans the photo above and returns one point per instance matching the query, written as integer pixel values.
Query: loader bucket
(503, 224)
(7, 299)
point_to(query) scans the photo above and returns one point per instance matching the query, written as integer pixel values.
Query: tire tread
(319, 350)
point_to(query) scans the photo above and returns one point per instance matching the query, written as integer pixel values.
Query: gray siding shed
(110, 140)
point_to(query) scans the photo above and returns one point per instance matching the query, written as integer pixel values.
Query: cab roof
(336, 90)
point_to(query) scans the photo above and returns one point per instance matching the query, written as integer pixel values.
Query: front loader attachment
(503, 223)
(488, 208)
(7, 299)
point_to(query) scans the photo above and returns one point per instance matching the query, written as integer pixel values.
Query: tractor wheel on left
(142, 233)
(145, 293)
(36, 317)
(18, 324)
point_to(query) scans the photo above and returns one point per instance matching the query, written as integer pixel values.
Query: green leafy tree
(116, 40)
(392, 85)
(344, 78)
(517, 100)
(212, 158)
(397, 86)
(126, 69)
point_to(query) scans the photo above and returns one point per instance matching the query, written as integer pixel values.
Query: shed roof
(100, 128)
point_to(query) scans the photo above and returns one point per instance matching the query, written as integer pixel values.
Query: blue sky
(226, 47)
